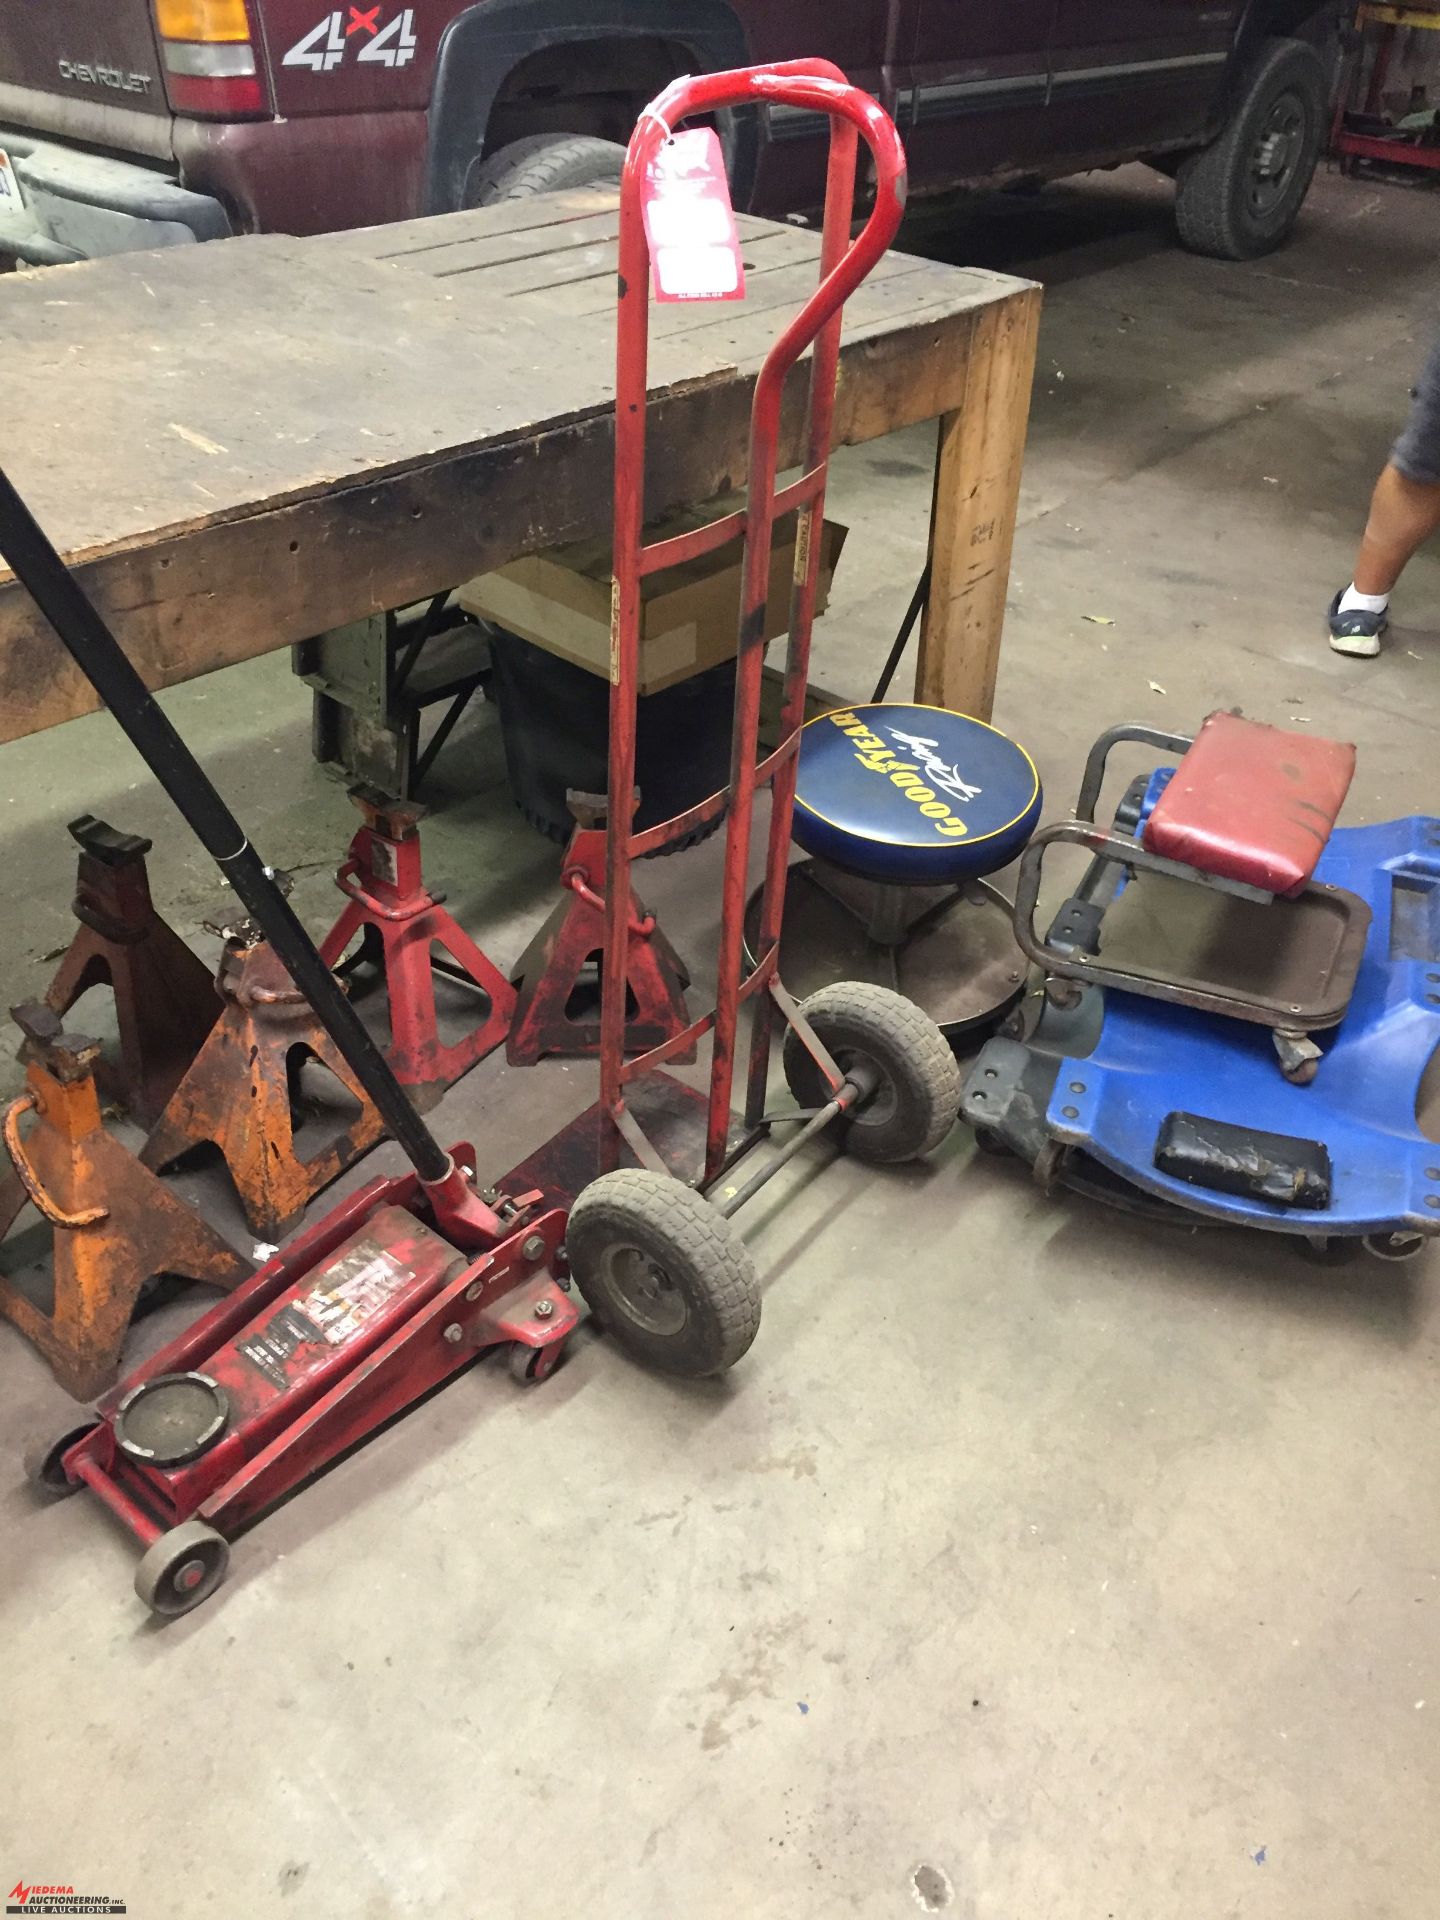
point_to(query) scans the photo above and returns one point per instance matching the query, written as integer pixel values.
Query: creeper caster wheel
(1329, 1249)
(1396, 1246)
(1298, 1055)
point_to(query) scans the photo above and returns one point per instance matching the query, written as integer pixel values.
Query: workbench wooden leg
(972, 524)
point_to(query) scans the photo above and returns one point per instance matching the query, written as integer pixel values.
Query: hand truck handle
(816, 85)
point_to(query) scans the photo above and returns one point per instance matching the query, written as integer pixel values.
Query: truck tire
(544, 163)
(1240, 197)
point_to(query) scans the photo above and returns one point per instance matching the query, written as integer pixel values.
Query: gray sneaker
(1355, 631)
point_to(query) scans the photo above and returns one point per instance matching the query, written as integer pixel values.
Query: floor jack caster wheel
(42, 1462)
(664, 1272)
(528, 1366)
(182, 1568)
(918, 1096)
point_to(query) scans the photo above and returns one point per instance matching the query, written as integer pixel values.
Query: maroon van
(141, 123)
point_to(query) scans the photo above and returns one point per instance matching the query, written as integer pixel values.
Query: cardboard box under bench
(690, 614)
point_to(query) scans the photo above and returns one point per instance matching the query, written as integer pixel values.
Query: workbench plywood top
(151, 395)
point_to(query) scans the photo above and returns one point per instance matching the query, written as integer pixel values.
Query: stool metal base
(949, 949)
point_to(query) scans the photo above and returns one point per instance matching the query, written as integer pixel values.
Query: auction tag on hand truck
(689, 221)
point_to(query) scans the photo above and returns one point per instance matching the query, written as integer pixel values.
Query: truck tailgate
(98, 52)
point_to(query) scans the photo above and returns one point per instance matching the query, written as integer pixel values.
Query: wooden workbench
(247, 443)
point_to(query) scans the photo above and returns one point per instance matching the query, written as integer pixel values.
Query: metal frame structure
(1348, 142)
(401, 923)
(1324, 924)
(165, 999)
(815, 86)
(449, 1191)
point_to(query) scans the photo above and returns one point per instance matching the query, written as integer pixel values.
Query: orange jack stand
(165, 999)
(558, 975)
(116, 1226)
(400, 924)
(242, 1091)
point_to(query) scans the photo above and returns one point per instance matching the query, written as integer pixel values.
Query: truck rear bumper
(76, 205)
(311, 174)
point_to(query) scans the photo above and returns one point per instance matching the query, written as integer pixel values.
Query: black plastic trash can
(555, 721)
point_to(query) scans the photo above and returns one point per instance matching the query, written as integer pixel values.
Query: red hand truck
(655, 1257)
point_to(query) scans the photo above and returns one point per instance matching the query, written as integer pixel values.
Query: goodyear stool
(905, 810)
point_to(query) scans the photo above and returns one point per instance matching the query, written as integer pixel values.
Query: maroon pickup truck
(141, 123)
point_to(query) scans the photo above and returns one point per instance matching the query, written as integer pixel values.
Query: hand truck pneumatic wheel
(656, 1258)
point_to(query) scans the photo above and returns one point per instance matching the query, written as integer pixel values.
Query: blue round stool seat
(913, 796)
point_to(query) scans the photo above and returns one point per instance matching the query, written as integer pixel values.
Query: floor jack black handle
(100, 657)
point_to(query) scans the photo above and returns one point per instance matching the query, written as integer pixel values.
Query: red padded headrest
(1252, 803)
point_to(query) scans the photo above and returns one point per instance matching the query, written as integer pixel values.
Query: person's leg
(1404, 512)
(1403, 515)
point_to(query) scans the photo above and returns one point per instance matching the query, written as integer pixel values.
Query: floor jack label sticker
(347, 1293)
(279, 1340)
(353, 1290)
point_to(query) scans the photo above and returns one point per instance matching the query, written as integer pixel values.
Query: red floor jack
(391, 1293)
(656, 1257)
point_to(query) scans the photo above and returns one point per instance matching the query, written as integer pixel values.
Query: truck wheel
(1240, 197)
(543, 163)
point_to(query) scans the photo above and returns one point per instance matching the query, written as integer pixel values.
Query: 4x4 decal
(324, 47)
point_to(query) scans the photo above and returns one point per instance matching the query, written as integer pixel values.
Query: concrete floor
(1033, 1566)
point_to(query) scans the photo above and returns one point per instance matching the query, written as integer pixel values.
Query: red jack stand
(240, 1093)
(116, 1226)
(565, 955)
(165, 999)
(399, 922)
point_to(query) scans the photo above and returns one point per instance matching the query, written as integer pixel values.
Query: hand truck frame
(651, 1254)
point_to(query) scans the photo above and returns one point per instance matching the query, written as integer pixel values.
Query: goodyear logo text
(910, 776)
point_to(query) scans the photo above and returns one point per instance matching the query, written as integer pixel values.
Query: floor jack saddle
(1162, 1095)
